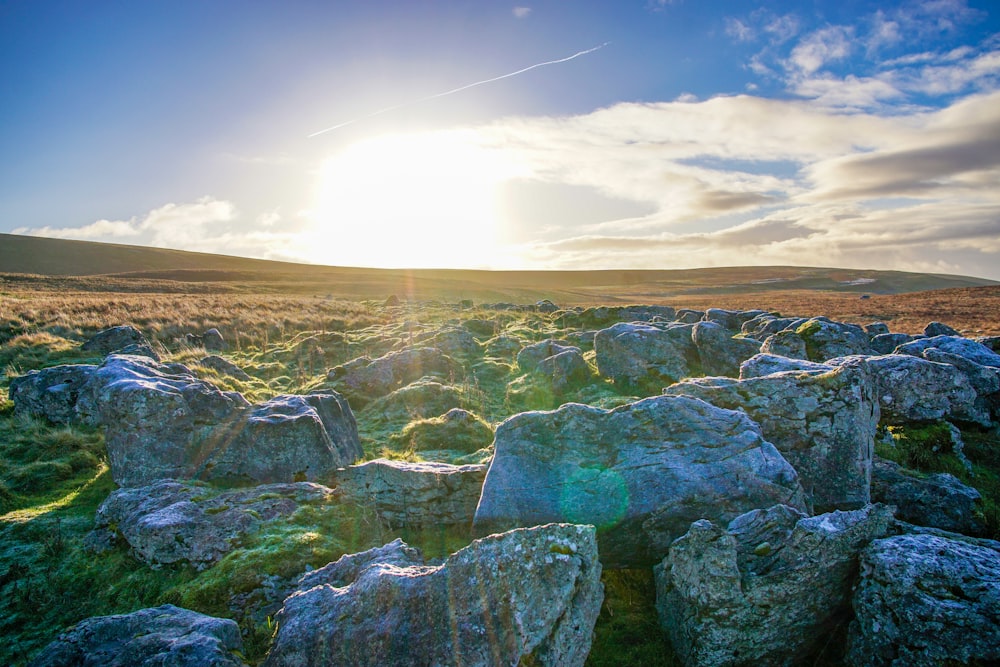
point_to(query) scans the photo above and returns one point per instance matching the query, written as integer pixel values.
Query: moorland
(286, 326)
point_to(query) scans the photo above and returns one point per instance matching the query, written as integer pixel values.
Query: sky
(558, 134)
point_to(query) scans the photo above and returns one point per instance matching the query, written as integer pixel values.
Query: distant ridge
(78, 264)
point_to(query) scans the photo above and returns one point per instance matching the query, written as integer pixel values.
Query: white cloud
(100, 230)
(521, 12)
(821, 48)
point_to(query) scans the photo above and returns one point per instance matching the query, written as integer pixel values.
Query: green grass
(628, 630)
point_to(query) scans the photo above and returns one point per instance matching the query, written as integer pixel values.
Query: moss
(457, 430)
(628, 630)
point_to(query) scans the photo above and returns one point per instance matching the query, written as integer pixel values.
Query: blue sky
(851, 134)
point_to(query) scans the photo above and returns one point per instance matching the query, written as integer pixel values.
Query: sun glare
(410, 200)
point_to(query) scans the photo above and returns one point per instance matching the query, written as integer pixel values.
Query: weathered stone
(876, 329)
(641, 473)
(823, 424)
(565, 371)
(160, 424)
(529, 357)
(939, 329)
(957, 345)
(528, 596)
(785, 343)
(51, 393)
(414, 494)
(688, 315)
(170, 521)
(482, 328)
(938, 500)
(763, 364)
(505, 347)
(378, 377)
(114, 339)
(767, 589)
(720, 353)
(645, 357)
(926, 600)
(767, 324)
(157, 637)
(888, 342)
(423, 398)
(826, 339)
(224, 367)
(213, 341)
(910, 389)
(545, 306)
(455, 342)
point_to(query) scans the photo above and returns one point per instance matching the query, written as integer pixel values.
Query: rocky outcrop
(766, 589)
(414, 494)
(526, 597)
(939, 329)
(531, 355)
(115, 339)
(163, 423)
(641, 473)
(826, 339)
(962, 347)
(378, 377)
(823, 423)
(51, 393)
(763, 364)
(456, 430)
(785, 343)
(645, 357)
(926, 600)
(937, 500)
(166, 635)
(719, 352)
(887, 343)
(766, 324)
(170, 521)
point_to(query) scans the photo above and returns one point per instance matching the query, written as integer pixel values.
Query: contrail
(457, 90)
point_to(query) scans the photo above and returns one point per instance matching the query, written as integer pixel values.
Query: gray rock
(378, 377)
(991, 342)
(164, 424)
(937, 500)
(727, 319)
(641, 473)
(645, 357)
(939, 329)
(720, 353)
(455, 342)
(957, 345)
(213, 341)
(823, 424)
(114, 339)
(926, 600)
(826, 339)
(763, 364)
(785, 343)
(157, 637)
(689, 316)
(912, 390)
(51, 393)
(526, 597)
(170, 521)
(224, 367)
(545, 306)
(876, 329)
(767, 589)
(565, 371)
(532, 355)
(414, 494)
(888, 342)
(985, 380)
(767, 324)
(504, 347)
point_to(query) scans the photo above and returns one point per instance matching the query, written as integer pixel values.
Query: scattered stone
(888, 342)
(524, 597)
(963, 347)
(51, 393)
(641, 473)
(767, 589)
(939, 329)
(481, 328)
(767, 324)
(546, 306)
(171, 521)
(763, 364)
(721, 353)
(565, 371)
(420, 399)
(532, 355)
(504, 347)
(826, 339)
(823, 424)
(378, 377)
(455, 342)
(926, 600)
(114, 339)
(876, 329)
(937, 500)
(785, 343)
(414, 494)
(645, 357)
(224, 367)
(689, 316)
(213, 341)
(165, 635)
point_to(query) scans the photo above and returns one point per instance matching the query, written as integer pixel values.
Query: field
(279, 323)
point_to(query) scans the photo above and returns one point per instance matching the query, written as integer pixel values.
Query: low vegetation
(53, 478)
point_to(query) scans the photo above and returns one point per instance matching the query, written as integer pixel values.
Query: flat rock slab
(823, 423)
(526, 597)
(414, 494)
(926, 600)
(766, 589)
(171, 521)
(641, 473)
(157, 637)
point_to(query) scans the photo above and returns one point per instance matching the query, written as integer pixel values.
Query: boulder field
(730, 453)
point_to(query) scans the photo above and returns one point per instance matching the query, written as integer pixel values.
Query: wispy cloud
(521, 12)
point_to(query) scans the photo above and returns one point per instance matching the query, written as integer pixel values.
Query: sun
(420, 200)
